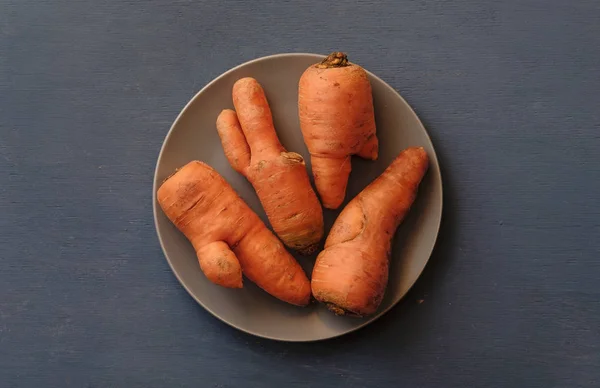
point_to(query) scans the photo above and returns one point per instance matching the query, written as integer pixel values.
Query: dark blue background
(509, 91)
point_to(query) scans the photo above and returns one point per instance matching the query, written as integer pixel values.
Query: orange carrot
(227, 235)
(351, 274)
(279, 177)
(337, 119)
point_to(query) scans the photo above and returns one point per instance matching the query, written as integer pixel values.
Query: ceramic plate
(194, 136)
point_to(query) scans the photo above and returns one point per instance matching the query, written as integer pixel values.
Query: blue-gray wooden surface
(509, 91)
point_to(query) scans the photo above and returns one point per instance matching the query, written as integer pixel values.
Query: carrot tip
(337, 310)
(309, 250)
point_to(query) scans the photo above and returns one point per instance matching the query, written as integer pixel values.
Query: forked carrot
(227, 235)
(279, 177)
(337, 119)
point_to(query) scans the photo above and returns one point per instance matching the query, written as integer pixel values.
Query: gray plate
(194, 136)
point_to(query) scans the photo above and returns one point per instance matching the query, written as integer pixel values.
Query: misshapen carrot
(279, 177)
(351, 274)
(228, 236)
(337, 119)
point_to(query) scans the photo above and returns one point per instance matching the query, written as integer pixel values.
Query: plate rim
(155, 205)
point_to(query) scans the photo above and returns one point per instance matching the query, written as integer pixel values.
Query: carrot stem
(335, 59)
